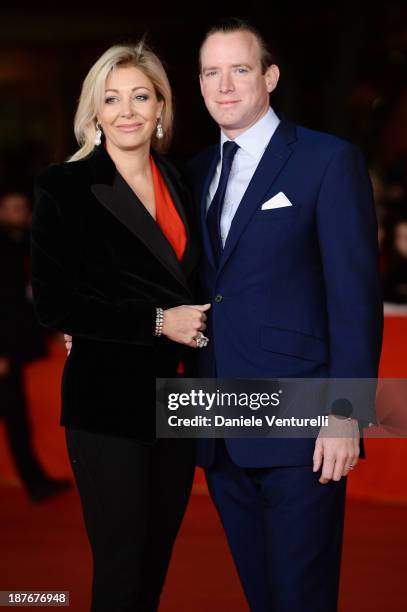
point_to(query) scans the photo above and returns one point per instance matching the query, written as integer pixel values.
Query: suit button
(218, 297)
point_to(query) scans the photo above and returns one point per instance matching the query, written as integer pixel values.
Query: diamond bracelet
(159, 322)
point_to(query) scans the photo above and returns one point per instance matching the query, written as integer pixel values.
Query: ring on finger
(201, 340)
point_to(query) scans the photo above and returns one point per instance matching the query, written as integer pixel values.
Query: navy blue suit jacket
(298, 287)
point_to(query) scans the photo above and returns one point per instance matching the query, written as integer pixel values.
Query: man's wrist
(342, 409)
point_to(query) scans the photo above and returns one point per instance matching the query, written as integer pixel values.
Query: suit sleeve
(347, 232)
(66, 302)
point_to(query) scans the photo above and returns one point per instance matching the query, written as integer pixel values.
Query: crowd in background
(390, 194)
(21, 341)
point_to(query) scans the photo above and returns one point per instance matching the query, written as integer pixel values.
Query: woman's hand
(182, 323)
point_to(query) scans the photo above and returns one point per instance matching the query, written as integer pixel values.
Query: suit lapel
(119, 199)
(274, 158)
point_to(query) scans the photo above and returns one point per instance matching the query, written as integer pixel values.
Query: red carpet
(44, 547)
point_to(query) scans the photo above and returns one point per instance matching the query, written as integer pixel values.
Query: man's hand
(336, 448)
(4, 366)
(68, 343)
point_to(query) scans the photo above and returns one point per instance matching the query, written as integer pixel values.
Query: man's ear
(271, 77)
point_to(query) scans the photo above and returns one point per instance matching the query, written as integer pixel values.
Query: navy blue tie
(215, 210)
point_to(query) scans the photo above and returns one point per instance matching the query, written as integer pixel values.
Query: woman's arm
(62, 301)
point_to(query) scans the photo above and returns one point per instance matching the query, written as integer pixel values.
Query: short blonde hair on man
(93, 91)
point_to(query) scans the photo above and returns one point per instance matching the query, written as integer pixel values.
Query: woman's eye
(138, 98)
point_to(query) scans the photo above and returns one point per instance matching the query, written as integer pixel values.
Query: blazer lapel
(174, 183)
(123, 203)
(274, 158)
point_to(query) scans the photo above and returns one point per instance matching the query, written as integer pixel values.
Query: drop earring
(160, 131)
(98, 134)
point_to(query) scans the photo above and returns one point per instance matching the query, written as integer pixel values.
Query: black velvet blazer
(100, 267)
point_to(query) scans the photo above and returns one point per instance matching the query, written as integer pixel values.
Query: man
(289, 234)
(21, 341)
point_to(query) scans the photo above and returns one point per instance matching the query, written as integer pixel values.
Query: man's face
(235, 91)
(15, 210)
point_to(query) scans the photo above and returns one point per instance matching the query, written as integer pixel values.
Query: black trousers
(133, 499)
(13, 407)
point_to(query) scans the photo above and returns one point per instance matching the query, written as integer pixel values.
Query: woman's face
(130, 109)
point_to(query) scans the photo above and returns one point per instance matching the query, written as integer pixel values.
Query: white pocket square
(278, 201)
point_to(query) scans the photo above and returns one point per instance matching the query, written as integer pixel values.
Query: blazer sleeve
(347, 232)
(63, 301)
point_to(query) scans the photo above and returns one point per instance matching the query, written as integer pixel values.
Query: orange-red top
(168, 220)
(167, 215)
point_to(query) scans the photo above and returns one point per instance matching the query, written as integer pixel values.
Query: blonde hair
(93, 90)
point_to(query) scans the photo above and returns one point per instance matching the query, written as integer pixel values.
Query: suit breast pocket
(271, 227)
(275, 214)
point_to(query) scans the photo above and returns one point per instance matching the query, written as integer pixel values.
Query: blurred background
(343, 70)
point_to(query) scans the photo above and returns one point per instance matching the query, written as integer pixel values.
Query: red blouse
(167, 215)
(168, 220)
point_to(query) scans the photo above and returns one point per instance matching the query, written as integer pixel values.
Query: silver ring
(201, 340)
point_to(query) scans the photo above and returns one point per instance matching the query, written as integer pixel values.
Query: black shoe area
(46, 488)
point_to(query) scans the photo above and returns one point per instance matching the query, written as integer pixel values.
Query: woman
(113, 259)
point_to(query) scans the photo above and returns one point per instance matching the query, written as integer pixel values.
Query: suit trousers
(284, 530)
(133, 498)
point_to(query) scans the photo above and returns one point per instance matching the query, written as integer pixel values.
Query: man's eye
(210, 73)
(241, 70)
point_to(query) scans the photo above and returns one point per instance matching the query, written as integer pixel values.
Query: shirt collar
(255, 140)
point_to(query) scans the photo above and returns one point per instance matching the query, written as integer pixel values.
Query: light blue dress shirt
(252, 143)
